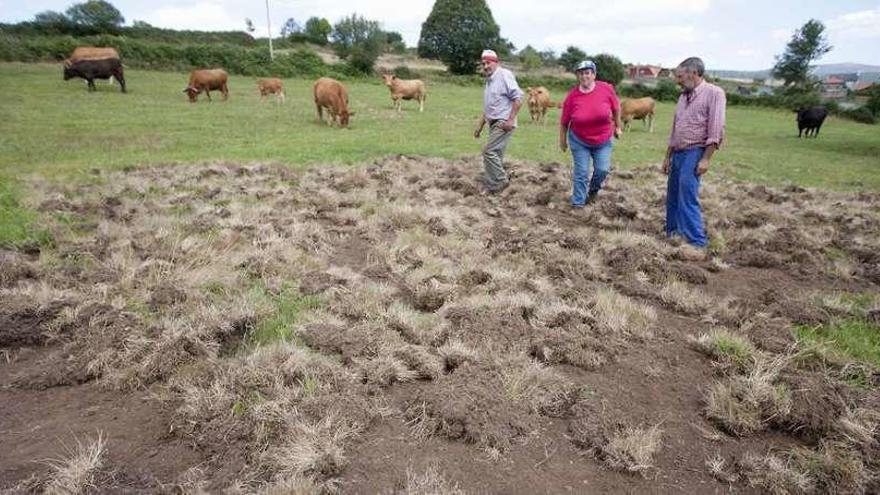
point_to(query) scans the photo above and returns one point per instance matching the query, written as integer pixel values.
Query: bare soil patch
(379, 328)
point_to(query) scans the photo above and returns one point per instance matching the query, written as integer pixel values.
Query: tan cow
(638, 109)
(405, 89)
(91, 53)
(331, 94)
(206, 80)
(271, 86)
(539, 102)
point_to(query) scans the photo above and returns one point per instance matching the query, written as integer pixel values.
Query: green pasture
(57, 129)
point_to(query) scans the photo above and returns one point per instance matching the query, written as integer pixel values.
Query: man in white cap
(502, 99)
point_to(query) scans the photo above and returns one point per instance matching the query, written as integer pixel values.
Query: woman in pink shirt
(590, 119)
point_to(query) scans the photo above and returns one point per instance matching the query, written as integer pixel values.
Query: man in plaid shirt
(697, 132)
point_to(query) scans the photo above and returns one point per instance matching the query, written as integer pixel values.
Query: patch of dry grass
(633, 448)
(680, 296)
(430, 482)
(622, 315)
(79, 470)
(745, 404)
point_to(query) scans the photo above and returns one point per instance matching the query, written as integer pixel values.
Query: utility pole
(269, 26)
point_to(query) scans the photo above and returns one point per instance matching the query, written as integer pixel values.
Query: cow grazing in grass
(810, 120)
(638, 109)
(539, 102)
(271, 86)
(405, 89)
(207, 80)
(332, 95)
(96, 69)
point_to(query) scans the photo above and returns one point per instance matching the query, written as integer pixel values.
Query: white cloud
(862, 24)
(203, 16)
(781, 34)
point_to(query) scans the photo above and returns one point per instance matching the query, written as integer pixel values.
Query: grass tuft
(79, 471)
(727, 348)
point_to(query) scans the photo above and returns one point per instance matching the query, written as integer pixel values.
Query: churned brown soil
(427, 338)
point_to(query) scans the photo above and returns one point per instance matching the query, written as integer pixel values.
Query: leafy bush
(140, 53)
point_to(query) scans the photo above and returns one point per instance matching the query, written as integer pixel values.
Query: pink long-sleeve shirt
(590, 115)
(699, 118)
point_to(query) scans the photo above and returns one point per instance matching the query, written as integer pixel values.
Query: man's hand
(507, 125)
(477, 132)
(666, 166)
(702, 167)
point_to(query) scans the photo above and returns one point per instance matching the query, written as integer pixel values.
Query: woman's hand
(563, 145)
(617, 132)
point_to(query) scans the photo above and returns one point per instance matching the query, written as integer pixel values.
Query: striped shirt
(500, 93)
(699, 118)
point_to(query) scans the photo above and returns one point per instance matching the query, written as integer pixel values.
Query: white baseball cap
(489, 55)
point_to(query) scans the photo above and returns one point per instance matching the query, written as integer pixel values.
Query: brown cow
(206, 80)
(331, 94)
(405, 89)
(638, 109)
(271, 86)
(539, 102)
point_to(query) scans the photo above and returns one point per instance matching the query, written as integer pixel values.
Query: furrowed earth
(388, 329)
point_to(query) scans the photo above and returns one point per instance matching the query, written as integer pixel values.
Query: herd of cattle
(90, 63)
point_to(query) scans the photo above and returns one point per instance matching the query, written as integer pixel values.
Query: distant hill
(866, 72)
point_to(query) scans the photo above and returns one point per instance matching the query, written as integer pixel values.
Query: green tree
(609, 68)
(807, 44)
(529, 58)
(317, 30)
(570, 57)
(53, 22)
(359, 41)
(394, 42)
(98, 15)
(548, 58)
(457, 31)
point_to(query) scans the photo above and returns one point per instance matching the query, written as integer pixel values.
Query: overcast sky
(728, 34)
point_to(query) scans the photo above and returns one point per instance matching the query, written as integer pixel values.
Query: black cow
(95, 69)
(811, 119)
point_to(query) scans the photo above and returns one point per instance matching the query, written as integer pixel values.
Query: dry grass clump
(367, 301)
(831, 468)
(313, 449)
(414, 326)
(385, 370)
(682, 297)
(257, 392)
(633, 448)
(429, 482)
(79, 471)
(455, 353)
(617, 444)
(776, 475)
(544, 390)
(728, 349)
(622, 315)
(745, 404)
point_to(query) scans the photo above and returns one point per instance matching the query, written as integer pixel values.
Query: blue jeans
(581, 153)
(683, 215)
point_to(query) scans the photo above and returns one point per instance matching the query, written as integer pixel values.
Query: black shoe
(499, 188)
(591, 197)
